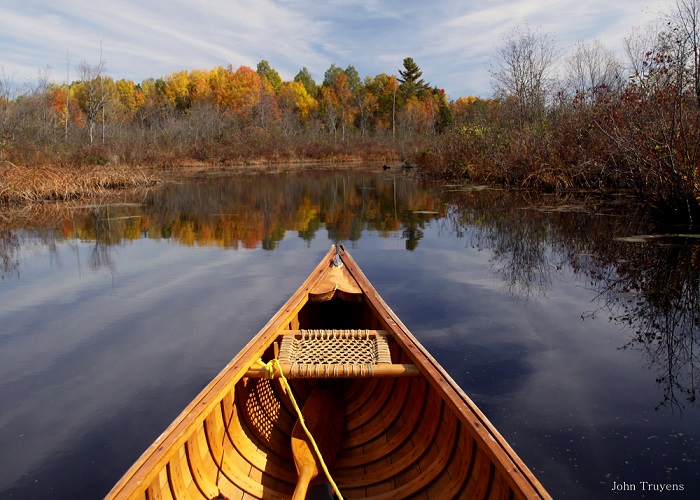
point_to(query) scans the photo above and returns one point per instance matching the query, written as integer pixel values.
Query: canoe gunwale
(354, 287)
(147, 467)
(486, 434)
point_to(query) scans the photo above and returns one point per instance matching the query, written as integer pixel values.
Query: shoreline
(21, 185)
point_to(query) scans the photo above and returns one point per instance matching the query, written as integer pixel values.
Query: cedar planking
(407, 429)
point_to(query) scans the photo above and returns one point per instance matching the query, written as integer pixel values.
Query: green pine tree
(411, 81)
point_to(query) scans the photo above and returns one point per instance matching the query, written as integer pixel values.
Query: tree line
(600, 123)
(587, 120)
(222, 114)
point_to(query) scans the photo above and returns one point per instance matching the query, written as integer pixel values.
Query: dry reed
(52, 183)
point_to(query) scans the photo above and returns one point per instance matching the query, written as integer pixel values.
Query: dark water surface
(579, 342)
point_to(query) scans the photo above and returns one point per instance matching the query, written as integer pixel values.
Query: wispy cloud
(450, 40)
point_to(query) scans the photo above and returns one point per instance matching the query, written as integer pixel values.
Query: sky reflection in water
(113, 320)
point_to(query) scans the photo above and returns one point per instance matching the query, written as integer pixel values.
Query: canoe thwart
(337, 371)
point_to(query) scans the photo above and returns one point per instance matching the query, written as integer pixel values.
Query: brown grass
(52, 183)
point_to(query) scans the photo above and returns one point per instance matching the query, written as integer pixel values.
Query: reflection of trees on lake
(9, 254)
(651, 287)
(523, 243)
(257, 210)
(655, 291)
(15, 243)
(261, 209)
(101, 254)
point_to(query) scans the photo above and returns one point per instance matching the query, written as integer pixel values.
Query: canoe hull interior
(402, 436)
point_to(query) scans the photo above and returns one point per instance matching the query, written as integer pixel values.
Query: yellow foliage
(465, 101)
(223, 86)
(306, 212)
(296, 94)
(127, 94)
(198, 85)
(177, 87)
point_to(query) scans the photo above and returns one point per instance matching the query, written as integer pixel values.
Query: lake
(573, 323)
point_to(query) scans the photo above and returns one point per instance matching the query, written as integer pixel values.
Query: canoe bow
(408, 429)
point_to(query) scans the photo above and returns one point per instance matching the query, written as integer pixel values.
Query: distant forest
(556, 122)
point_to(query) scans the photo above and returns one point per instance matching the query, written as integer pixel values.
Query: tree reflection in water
(655, 292)
(9, 254)
(650, 286)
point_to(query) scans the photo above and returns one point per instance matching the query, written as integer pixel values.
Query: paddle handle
(305, 477)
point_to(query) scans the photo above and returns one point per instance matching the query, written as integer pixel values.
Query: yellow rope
(269, 374)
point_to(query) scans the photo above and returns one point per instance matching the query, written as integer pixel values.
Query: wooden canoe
(406, 430)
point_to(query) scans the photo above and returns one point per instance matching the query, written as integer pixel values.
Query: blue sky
(450, 40)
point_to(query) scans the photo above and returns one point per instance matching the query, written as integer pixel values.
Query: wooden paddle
(323, 414)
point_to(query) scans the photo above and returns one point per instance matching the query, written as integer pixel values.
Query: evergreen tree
(411, 81)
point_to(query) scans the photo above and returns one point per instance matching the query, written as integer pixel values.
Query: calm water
(578, 342)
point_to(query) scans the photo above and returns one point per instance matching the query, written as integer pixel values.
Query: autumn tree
(296, 105)
(390, 90)
(266, 72)
(176, 89)
(152, 103)
(361, 99)
(237, 90)
(413, 115)
(522, 68)
(270, 82)
(367, 105)
(127, 97)
(91, 94)
(305, 78)
(199, 85)
(386, 89)
(338, 82)
(472, 109)
(344, 95)
(329, 109)
(684, 23)
(592, 67)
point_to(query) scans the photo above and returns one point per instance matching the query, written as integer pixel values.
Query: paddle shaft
(323, 414)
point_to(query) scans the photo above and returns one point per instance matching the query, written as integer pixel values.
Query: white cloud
(450, 40)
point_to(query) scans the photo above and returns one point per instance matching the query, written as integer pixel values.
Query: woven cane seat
(319, 353)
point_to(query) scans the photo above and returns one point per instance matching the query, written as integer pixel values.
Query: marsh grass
(53, 183)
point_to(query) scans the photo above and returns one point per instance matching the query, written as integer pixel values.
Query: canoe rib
(409, 430)
(494, 445)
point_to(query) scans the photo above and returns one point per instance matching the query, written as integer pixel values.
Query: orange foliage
(236, 90)
(57, 98)
(290, 205)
